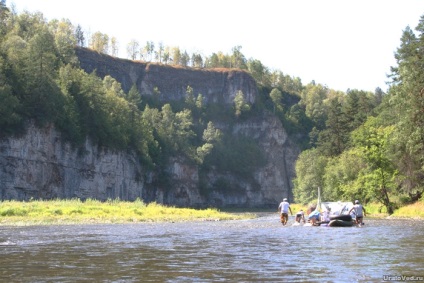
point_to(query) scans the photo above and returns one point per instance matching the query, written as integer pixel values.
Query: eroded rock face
(272, 182)
(216, 85)
(40, 165)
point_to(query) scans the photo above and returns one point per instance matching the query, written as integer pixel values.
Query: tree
(196, 60)
(213, 61)
(166, 55)
(310, 168)
(185, 59)
(113, 86)
(159, 53)
(211, 136)
(313, 97)
(43, 100)
(276, 97)
(27, 25)
(341, 177)
(200, 101)
(289, 84)
(114, 46)
(79, 35)
(134, 96)
(189, 98)
(175, 56)
(258, 71)
(357, 107)
(149, 49)
(372, 142)
(4, 14)
(65, 41)
(333, 140)
(133, 49)
(237, 58)
(9, 110)
(240, 104)
(100, 42)
(406, 100)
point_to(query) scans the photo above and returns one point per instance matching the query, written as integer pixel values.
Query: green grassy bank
(415, 210)
(39, 212)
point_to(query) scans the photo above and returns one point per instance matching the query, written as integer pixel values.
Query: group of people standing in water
(315, 216)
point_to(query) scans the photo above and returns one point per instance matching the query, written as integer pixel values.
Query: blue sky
(341, 44)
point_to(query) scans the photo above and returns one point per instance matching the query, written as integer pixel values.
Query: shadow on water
(245, 250)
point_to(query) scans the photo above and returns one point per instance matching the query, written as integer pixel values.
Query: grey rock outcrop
(216, 85)
(39, 165)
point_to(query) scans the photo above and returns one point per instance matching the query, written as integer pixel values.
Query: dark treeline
(356, 144)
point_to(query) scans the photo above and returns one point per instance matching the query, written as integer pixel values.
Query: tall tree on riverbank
(407, 99)
(372, 142)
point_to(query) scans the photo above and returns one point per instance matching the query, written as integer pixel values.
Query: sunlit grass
(113, 211)
(375, 210)
(415, 210)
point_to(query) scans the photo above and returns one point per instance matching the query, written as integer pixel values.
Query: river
(255, 250)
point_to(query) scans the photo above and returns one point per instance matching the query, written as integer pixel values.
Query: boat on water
(340, 223)
(337, 213)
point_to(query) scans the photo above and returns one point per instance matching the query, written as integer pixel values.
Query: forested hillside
(356, 144)
(370, 147)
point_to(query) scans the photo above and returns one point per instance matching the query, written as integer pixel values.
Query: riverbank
(415, 211)
(39, 212)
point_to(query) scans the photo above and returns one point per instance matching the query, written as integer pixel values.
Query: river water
(256, 250)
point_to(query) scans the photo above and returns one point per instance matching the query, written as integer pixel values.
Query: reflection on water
(248, 250)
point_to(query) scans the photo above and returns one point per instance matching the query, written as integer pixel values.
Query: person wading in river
(359, 212)
(284, 208)
(300, 216)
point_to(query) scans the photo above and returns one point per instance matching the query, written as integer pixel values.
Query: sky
(342, 44)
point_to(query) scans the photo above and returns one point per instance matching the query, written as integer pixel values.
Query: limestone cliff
(40, 164)
(216, 85)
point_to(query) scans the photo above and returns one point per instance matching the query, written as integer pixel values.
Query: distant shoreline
(73, 212)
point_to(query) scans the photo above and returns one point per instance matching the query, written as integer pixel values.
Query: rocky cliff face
(40, 165)
(216, 85)
(269, 184)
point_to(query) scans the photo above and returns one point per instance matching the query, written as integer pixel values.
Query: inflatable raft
(340, 223)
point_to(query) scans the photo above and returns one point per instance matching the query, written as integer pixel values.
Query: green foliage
(240, 105)
(378, 179)
(134, 96)
(100, 42)
(334, 138)
(341, 177)
(10, 117)
(310, 168)
(276, 97)
(211, 136)
(9, 109)
(313, 97)
(407, 104)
